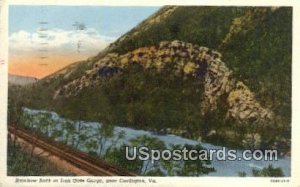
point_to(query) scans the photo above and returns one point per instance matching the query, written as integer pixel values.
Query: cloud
(58, 41)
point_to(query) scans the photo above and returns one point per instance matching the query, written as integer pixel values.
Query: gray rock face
(189, 59)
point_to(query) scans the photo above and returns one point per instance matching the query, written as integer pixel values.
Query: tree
(117, 157)
(27, 120)
(269, 171)
(103, 133)
(242, 174)
(44, 123)
(15, 104)
(152, 144)
(92, 146)
(69, 128)
(115, 140)
(172, 167)
(195, 167)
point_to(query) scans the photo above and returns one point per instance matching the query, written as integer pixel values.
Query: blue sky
(59, 41)
(108, 21)
(104, 24)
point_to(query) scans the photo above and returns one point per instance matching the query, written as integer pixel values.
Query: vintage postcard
(148, 93)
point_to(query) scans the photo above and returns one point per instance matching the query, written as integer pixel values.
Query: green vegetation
(22, 162)
(242, 174)
(259, 54)
(103, 142)
(161, 167)
(205, 26)
(146, 100)
(269, 171)
(117, 157)
(262, 58)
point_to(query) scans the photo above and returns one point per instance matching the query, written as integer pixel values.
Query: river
(223, 168)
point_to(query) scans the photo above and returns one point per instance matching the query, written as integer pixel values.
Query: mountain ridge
(188, 59)
(21, 80)
(255, 43)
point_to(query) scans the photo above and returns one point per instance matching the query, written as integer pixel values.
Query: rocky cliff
(189, 59)
(157, 76)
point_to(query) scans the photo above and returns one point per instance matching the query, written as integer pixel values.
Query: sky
(44, 39)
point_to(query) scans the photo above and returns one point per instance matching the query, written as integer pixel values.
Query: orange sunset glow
(33, 66)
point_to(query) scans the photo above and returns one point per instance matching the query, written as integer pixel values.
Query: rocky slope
(190, 59)
(248, 85)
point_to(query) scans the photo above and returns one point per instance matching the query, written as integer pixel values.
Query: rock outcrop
(187, 59)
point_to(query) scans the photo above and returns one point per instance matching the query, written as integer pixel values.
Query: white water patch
(88, 131)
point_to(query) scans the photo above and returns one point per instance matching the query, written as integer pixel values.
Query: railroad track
(81, 160)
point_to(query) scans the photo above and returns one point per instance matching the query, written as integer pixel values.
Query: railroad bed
(79, 159)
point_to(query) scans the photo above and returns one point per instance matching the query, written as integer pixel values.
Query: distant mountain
(21, 80)
(166, 75)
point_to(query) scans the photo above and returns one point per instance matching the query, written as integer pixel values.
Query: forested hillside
(247, 104)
